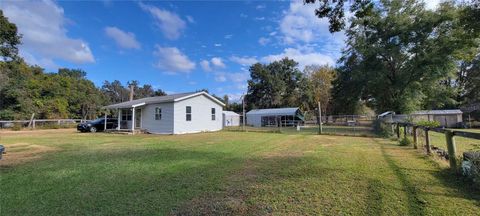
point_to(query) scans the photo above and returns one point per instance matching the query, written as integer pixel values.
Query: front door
(138, 118)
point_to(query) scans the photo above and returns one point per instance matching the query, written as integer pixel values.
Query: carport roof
(274, 111)
(159, 99)
(438, 112)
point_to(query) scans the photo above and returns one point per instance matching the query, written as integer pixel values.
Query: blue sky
(177, 46)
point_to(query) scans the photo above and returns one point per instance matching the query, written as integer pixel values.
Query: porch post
(105, 122)
(118, 119)
(133, 119)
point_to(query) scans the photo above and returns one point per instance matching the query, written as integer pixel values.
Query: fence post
(405, 131)
(415, 137)
(452, 157)
(427, 141)
(398, 130)
(33, 124)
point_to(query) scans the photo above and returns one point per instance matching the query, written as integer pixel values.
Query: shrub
(430, 124)
(405, 142)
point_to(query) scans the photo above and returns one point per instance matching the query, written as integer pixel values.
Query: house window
(213, 114)
(158, 113)
(126, 115)
(189, 113)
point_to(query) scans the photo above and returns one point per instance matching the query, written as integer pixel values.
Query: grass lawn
(313, 130)
(61, 172)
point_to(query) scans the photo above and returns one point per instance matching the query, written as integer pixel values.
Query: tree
(226, 101)
(334, 11)
(320, 79)
(73, 73)
(469, 81)
(115, 92)
(159, 92)
(9, 39)
(400, 54)
(278, 84)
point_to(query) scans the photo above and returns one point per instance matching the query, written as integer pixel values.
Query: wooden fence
(449, 138)
(34, 122)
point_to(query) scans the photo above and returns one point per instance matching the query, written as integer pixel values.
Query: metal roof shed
(278, 117)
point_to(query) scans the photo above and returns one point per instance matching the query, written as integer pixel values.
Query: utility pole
(320, 129)
(243, 116)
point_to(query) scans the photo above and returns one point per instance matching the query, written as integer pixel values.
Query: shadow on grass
(415, 204)
(459, 187)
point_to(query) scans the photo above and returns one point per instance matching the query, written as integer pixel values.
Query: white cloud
(237, 78)
(259, 18)
(214, 63)
(240, 77)
(190, 19)
(217, 62)
(300, 24)
(43, 26)
(220, 77)
(217, 45)
(303, 57)
(228, 36)
(263, 41)
(123, 39)
(172, 60)
(260, 7)
(205, 65)
(169, 23)
(245, 61)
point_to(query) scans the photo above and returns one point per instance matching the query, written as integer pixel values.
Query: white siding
(201, 115)
(163, 126)
(231, 120)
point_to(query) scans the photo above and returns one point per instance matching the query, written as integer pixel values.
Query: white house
(230, 119)
(172, 114)
(277, 117)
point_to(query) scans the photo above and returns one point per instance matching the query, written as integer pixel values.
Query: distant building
(446, 118)
(277, 117)
(230, 119)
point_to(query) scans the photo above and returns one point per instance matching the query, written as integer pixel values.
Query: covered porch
(129, 117)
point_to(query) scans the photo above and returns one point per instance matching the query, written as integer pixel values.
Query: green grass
(60, 172)
(313, 130)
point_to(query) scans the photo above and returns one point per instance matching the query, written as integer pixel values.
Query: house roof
(438, 112)
(230, 113)
(275, 111)
(160, 99)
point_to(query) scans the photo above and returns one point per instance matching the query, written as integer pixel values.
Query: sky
(176, 46)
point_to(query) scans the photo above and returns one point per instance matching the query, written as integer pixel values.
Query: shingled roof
(159, 99)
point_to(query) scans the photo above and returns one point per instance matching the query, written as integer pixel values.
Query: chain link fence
(352, 125)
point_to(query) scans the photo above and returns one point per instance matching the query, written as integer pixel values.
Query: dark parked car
(97, 125)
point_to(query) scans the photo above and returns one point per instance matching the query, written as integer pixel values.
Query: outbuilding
(276, 117)
(172, 114)
(447, 118)
(230, 119)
